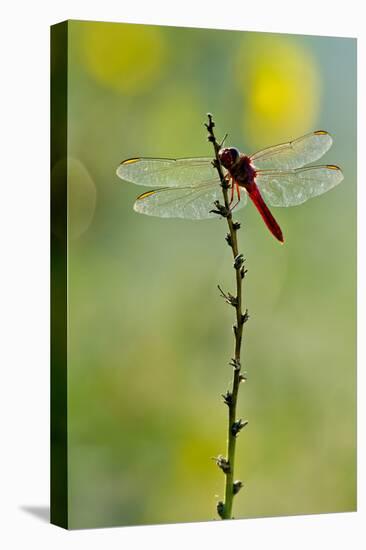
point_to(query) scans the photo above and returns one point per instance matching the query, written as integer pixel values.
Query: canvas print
(203, 274)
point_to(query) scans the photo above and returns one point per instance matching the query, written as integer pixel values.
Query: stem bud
(238, 261)
(228, 398)
(237, 426)
(235, 363)
(245, 317)
(221, 210)
(228, 240)
(220, 509)
(223, 464)
(237, 486)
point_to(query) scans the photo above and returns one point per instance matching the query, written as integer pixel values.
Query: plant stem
(231, 397)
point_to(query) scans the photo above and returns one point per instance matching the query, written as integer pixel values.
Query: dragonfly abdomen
(264, 211)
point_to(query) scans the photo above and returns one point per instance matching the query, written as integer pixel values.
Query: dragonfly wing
(293, 187)
(295, 154)
(194, 202)
(155, 172)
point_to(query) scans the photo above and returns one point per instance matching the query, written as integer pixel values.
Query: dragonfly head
(229, 156)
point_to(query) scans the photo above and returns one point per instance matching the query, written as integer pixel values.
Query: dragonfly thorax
(243, 172)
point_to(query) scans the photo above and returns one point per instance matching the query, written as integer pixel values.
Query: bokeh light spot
(82, 196)
(126, 58)
(281, 88)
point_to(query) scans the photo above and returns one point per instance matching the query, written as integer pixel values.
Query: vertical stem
(231, 398)
(231, 438)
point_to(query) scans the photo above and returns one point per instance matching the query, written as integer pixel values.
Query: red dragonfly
(278, 176)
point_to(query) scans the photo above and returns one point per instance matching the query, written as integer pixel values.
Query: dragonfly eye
(229, 156)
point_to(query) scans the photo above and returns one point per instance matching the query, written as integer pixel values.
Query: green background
(149, 336)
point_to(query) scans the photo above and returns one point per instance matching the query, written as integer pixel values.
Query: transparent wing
(155, 172)
(292, 187)
(294, 154)
(187, 202)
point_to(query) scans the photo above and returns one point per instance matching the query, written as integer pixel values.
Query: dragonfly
(276, 176)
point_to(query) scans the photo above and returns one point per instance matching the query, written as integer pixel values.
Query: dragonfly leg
(237, 187)
(232, 191)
